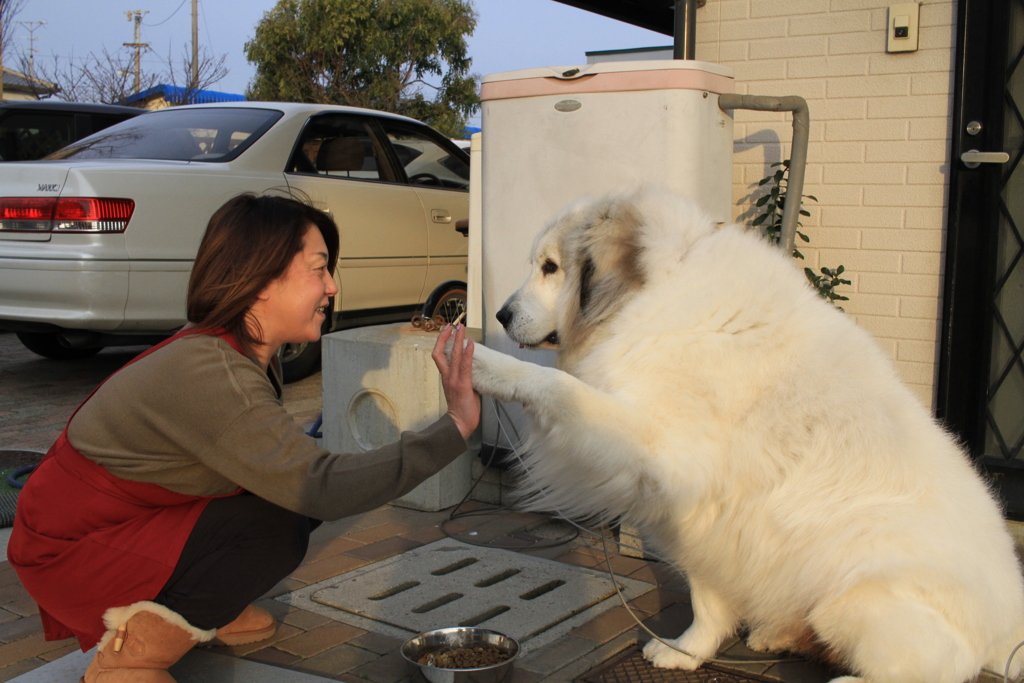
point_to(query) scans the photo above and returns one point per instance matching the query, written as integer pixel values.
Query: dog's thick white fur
(762, 442)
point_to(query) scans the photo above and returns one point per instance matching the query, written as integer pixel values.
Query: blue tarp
(176, 93)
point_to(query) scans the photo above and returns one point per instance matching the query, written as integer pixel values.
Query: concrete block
(830, 23)
(379, 382)
(903, 284)
(910, 106)
(754, 29)
(923, 61)
(827, 67)
(633, 544)
(916, 351)
(877, 86)
(803, 46)
(864, 43)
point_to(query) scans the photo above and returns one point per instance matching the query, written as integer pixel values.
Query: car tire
(299, 360)
(448, 302)
(47, 345)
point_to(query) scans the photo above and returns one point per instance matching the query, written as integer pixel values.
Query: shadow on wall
(769, 140)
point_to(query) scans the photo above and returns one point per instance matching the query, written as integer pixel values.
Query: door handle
(440, 216)
(973, 158)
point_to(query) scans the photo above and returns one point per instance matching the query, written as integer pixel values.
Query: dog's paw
(761, 640)
(664, 657)
(494, 373)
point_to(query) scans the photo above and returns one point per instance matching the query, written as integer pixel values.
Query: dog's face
(583, 267)
(530, 315)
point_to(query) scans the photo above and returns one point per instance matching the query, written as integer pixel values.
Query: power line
(170, 17)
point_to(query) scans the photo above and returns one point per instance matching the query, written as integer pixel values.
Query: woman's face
(293, 307)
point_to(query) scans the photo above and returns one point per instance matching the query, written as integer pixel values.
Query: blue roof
(176, 93)
(469, 130)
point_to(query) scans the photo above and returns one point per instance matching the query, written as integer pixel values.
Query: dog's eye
(549, 267)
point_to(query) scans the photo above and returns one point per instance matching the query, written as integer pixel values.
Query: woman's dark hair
(249, 242)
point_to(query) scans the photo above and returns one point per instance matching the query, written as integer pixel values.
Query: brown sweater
(199, 418)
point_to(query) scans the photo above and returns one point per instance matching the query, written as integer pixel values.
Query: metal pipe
(684, 44)
(797, 157)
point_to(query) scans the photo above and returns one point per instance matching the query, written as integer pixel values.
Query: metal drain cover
(631, 667)
(449, 583)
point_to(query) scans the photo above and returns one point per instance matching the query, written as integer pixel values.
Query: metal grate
(631, 667)
(449, 583)
(1004, 425)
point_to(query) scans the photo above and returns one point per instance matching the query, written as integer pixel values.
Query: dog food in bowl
(462, 654)
(465, 658)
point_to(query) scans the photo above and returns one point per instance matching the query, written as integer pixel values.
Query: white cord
(611, 573)
(604, 545)
(1009, 660)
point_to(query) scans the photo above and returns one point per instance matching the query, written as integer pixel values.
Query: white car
(97, 240)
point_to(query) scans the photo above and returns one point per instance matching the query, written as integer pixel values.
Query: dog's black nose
(504, 316)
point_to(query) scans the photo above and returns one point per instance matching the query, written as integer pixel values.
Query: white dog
(761, 441)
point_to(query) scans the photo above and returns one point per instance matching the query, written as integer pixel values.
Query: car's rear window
(214, 134)
(26, 135)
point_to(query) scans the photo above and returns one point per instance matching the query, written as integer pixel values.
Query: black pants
(240, 548)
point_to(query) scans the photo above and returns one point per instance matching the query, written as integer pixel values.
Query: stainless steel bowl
(461, 636)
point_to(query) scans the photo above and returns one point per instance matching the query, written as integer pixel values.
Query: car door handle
(440, 216)
(462, 226)
(973, 158)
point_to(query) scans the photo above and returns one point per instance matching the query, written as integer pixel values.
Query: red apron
(85, 540)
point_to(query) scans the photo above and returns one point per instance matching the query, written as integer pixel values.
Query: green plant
(826, 283)
(772, 205)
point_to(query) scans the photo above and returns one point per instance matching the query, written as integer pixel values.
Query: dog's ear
(606, 248)
(586, 284)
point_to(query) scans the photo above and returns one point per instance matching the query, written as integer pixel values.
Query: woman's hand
(457, 378)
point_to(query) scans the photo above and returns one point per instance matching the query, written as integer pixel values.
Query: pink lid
(609, 77)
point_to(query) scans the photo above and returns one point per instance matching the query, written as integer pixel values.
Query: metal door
(981, 375)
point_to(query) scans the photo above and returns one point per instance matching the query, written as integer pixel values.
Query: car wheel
(448, 307)
(46, 345)
(299, 360)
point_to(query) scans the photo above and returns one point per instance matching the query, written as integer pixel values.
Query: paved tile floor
(38, 395)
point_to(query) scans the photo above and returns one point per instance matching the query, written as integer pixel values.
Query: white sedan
(97, 240)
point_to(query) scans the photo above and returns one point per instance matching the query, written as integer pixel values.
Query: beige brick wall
(877, 160)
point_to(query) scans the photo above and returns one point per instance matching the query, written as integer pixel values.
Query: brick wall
(877, 160)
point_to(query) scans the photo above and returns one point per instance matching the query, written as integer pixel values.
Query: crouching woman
(181, 489)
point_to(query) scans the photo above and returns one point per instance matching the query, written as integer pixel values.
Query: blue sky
(510, 34)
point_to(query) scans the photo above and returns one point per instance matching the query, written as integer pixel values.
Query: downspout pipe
(797, 158)
(684, 44)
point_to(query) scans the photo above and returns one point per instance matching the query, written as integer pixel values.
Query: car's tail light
(26, 214)
(66, 214)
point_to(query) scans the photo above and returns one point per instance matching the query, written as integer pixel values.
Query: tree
(8, 10)
(369, 53)
(109, 78)
(207, 72)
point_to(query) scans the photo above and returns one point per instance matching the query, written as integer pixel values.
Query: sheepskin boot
(251, 626)
(141, 642)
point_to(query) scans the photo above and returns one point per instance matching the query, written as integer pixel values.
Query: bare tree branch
(210, 70)
(108, 78)
(9, 9)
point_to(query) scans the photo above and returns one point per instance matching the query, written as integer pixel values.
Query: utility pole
(32, 26)
(137, 16)
(194, 85)
(1, 54)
